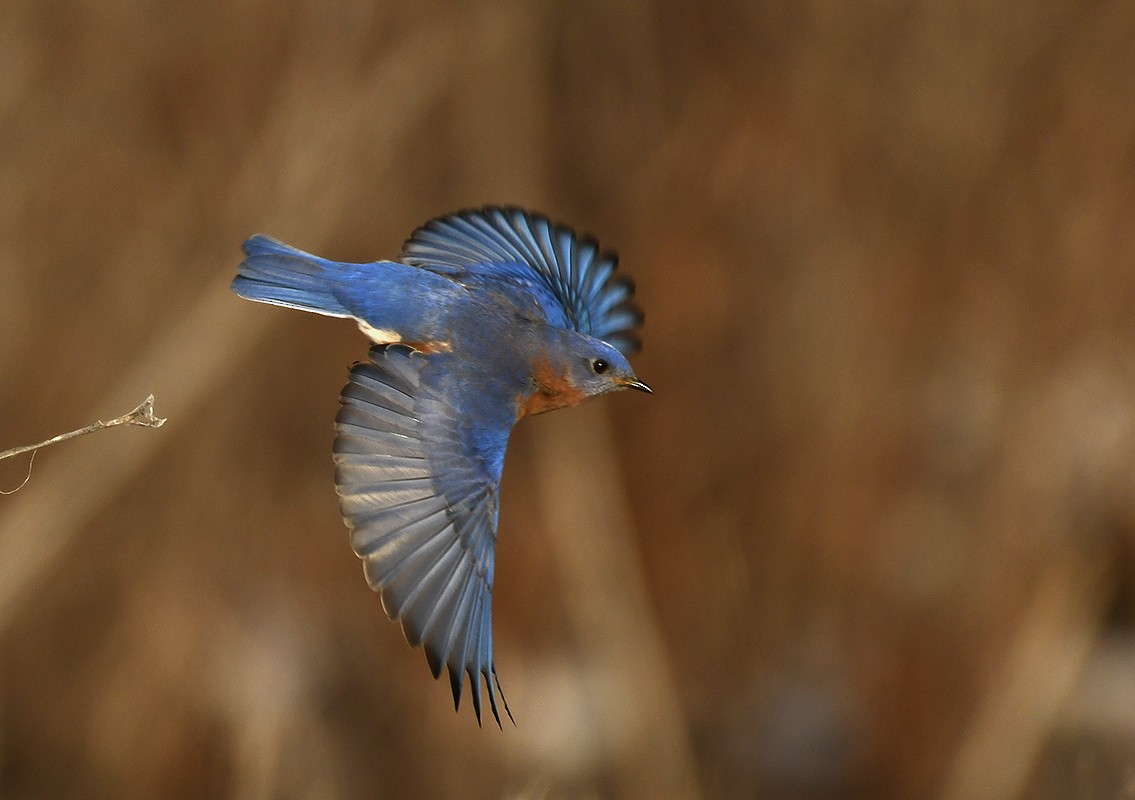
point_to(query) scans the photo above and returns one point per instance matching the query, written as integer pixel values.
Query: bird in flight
(488, 316)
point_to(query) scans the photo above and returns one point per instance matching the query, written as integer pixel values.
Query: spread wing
(572, 279)
(420, 497)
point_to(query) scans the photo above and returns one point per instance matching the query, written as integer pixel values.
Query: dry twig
(143, 416)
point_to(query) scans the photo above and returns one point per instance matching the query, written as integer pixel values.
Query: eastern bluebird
(488, 316)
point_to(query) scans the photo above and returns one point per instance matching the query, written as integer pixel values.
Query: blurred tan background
(872, 537)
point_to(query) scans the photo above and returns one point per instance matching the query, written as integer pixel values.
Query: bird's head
(598, 368)
(576, 368)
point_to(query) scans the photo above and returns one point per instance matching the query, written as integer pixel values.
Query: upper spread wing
(572, 279)
(419, 491)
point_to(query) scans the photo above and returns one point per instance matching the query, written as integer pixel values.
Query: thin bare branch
(142, 415)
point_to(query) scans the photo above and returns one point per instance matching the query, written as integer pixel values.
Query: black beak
(637, 384)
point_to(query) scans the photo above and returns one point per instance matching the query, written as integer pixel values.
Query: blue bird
(489, 316)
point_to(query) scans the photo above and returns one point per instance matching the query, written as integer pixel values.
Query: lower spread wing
(420, 496)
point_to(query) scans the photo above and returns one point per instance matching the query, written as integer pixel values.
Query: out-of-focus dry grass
(873, 536)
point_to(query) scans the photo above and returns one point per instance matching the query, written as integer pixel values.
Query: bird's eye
(599, 366)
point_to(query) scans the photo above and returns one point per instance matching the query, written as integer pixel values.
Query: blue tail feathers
(276, 273)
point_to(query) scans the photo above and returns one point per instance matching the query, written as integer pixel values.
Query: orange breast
(552, 391)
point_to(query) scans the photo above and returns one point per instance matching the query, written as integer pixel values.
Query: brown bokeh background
(872, 536)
